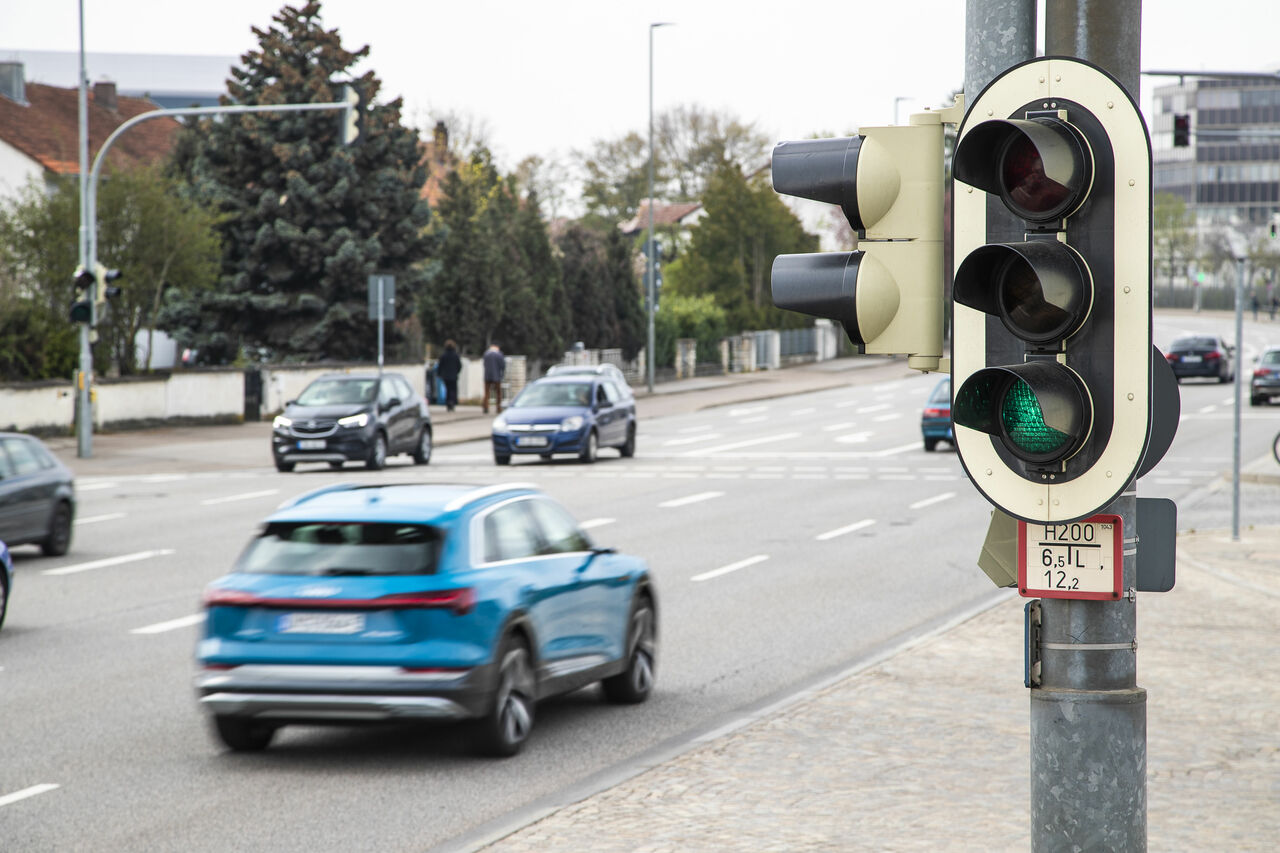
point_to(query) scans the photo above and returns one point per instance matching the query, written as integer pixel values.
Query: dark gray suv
(352, 417)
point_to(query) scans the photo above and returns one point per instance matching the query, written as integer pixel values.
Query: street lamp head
(662, 24)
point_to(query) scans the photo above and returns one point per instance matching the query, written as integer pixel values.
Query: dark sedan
(37, 495)
(1201, 355)
(353, 417)
(566, 414)
(1264, 386)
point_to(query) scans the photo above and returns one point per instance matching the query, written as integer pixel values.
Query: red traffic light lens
(1025, 183)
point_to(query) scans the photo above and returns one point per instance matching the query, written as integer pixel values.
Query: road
(789, 538)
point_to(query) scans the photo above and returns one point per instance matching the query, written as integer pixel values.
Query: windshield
(1271, 356)
(342, 548)
(941, 394)
(554, 394)
(1195, 343)
(338, 392)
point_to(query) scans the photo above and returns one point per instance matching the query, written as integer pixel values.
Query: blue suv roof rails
(315, 493)
(483, 492)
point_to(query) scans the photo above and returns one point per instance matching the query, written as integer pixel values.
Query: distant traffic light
(1052, 317)
(1181, 130)
(82, 307)
(353, 115)
(888, 294)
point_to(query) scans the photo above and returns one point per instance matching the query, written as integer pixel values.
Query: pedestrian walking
(1275, 303)
(495, 365)
(1253, 303)
(448, 368)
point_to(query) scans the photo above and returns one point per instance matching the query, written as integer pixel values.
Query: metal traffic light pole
(1088, 715)
(89, 223)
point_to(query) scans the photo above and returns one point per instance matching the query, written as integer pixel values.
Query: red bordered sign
(1075, 559)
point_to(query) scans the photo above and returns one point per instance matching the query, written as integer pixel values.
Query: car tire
(4, 597)
(634, 684)
(501, 460)
(284, 467)
(590, 447)
(377, 453)
(628, 449)
(546, 457)
(422, 450)
(930, 445)
(1255, 401)
(243, 735)
(337, 466)
(506, 726)
(58, 542)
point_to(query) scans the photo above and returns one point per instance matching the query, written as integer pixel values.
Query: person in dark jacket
(448, 368)
(495, 365)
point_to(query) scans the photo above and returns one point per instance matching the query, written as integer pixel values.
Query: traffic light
(888, 294)
(1051, 345)
(1181, 130)
(104, 289)
(353, 115)
(82, 308)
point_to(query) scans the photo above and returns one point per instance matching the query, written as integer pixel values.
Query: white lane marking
(702, 428)
(162, 478)
(848, 528)
(707, 451)
(596, 522)
(7, 799)
(936, 499)
(710, 436)
(109, 561)
(91, 487)
(798, 412)
(1206, 409)
(893, 451)
(691, 499)
(837, 427)
(756, 420)
(732, 567)
(878, 407)
(749, 410)
(892, 417)
(243, 497)
(171, 625)
(94, 519)
(847, 403)
(855, 437)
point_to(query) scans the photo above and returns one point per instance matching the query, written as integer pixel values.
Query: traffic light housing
(1051, 345)
(353, 115)
(104, 290)
(888, 294)
(1181, 130)
(82, 306)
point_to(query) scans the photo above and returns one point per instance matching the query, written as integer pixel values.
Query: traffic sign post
(382, 304)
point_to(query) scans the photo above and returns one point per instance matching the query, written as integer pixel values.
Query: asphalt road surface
(789, 539)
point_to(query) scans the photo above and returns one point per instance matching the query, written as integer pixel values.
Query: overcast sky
(552, 76)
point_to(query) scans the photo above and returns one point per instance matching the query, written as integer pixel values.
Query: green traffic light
(1024, 422)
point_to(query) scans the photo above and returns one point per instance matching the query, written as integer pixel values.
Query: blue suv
(567, 413)
(421, 602)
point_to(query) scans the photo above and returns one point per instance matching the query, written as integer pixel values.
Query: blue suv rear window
(335, 549)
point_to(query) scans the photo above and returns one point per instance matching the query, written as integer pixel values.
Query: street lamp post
(650, 287)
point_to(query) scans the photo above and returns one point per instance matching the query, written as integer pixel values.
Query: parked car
(356, 417)
(1201, 355)
(568, 413)
(6, 580)
(37, 495)
(421, 602)
(1264, 386)
(935, 420)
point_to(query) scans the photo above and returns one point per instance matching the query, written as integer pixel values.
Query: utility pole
(1088, 714)
(84, 417)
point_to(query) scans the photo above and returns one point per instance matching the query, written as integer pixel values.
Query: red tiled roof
(47, 129)
(663, 214)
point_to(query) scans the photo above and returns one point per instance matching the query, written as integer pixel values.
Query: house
(683, 215)
(40, 130)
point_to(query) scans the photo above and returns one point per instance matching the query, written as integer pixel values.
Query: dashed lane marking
(109, 561)
(170, 625)
(691, 499)
(34, 790)
(848, 528)
(732, 567)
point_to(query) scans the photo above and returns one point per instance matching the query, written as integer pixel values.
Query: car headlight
(281, 422)
(355, 421)
(500, 423)
(572, 423)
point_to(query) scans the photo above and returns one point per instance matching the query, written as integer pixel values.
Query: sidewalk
(928, 749)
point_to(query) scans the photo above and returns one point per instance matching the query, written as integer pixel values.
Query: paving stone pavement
(928, 749)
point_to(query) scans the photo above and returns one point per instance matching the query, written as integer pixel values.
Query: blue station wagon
(421, 602)
(567, 413)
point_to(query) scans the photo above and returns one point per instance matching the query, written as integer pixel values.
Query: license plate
(1078, 559)
(531, 441)
(311, 444)
(321, 623)
(1191, 359)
